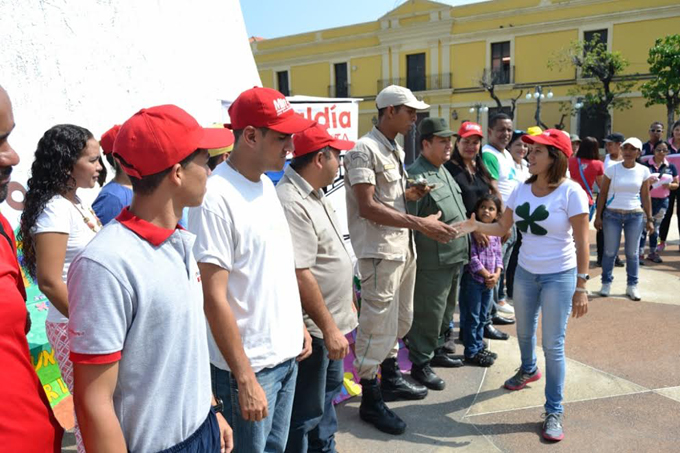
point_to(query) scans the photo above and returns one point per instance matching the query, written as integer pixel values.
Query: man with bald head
(27, 422)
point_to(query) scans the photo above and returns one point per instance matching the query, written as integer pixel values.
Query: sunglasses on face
(658, 131)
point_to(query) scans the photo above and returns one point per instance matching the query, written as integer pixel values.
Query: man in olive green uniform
(438, 265)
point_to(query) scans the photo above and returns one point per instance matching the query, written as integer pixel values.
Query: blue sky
(275, 18)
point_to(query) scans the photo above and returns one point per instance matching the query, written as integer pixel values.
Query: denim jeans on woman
(270, 434)
(659, 207)
(612, 224)
(550, 294)
(475, 300)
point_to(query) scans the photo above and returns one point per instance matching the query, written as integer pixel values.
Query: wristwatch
(585, 277)
(219, 407)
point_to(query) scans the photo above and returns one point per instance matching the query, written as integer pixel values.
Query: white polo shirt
(135, 298)
(241, 227)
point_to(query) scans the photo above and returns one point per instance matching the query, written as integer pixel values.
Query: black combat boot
(395, 387)
(374, 411)
(426, 376)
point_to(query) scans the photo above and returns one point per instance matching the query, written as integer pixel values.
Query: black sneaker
(481, 359)
(521, 379)
(491, 354)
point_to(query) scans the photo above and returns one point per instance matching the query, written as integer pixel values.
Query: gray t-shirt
(135, 296)
(319, 247)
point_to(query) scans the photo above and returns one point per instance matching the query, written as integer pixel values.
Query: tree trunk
(670, 112)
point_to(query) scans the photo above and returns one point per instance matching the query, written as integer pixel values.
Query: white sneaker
(606, 289)
(633, 293)
(505, 307)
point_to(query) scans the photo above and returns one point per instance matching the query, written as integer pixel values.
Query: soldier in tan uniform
(380, 231)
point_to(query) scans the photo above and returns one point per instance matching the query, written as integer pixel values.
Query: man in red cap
(137, 325)
(117, 194)
(28, 424)
(247, 265)
(324, 274)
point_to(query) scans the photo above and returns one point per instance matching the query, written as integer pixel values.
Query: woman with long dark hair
(552, 213)
(586, 168)
(56, 225)
(468, 170)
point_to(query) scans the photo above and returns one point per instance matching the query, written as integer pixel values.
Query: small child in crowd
(479, 279)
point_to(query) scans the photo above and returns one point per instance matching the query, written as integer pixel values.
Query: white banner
(342, 118)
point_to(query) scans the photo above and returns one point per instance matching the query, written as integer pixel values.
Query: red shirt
(591, 169)
(27, 423)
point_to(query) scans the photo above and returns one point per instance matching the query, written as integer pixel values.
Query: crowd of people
(192, 265)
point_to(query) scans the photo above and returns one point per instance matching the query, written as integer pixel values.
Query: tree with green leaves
(664, 65)
(603, 87)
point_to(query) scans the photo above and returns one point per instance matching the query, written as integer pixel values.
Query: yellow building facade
(442, 53)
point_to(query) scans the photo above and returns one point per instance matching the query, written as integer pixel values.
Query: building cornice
(441, 30)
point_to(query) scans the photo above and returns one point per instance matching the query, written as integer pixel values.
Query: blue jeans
(475, 299)
(612, 224)
(271, 433)
(205, 439)
(551, 294)
(659, 208)
(314, 423)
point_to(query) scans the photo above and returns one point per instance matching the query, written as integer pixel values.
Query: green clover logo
(530, 219)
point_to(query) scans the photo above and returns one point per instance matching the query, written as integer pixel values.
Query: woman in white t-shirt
(624, 204)
(56, 225)
(551, 211)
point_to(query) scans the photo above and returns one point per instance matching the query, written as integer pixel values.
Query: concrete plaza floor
(622, 391)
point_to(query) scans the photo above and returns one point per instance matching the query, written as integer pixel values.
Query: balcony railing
(427, 83)
(500, 76)
(340, 91)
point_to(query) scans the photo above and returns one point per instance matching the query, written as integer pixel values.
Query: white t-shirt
(62, 216)
(547, 241)
(522, 171)
(242, 228)
(625, 184)
(502, 167)
(608, 161)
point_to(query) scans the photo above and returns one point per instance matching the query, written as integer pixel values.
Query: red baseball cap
(109, 137)
(264, 107)
(469, 128)
(316, 138)
(551, 137)
(157, 138)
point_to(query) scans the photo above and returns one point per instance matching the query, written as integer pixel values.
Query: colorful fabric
(57, 335)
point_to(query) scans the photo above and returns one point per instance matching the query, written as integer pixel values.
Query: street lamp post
(478, 108)
(539, 96)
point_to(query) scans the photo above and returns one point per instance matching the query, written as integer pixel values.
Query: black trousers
(666, 222)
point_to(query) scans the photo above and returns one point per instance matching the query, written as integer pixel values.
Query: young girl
(479, 279)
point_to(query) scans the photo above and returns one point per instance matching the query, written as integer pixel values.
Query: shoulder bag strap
(583, 178)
